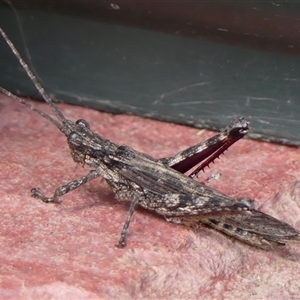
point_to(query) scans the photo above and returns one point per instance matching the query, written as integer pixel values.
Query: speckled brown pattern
(67, 251)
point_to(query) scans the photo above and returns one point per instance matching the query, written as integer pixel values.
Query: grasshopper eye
(83, 123)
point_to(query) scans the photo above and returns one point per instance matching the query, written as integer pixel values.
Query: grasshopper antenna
(29, 60)
(40, 112)
(38, 86)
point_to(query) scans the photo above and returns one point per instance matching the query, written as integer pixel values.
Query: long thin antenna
(40, 89)
(27, 53)
(46, 116)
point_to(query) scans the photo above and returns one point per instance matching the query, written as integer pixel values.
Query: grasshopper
(161, 185)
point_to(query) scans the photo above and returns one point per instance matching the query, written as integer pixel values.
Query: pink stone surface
(68, 251)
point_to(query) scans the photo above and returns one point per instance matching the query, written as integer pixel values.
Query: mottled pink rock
(68, 251)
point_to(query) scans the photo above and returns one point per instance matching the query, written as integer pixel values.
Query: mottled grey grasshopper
(161, 185)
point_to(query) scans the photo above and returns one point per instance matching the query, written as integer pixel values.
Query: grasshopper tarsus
(122, 243)
(37, 194)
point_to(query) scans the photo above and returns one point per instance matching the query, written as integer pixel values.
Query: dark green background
(115, 67)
